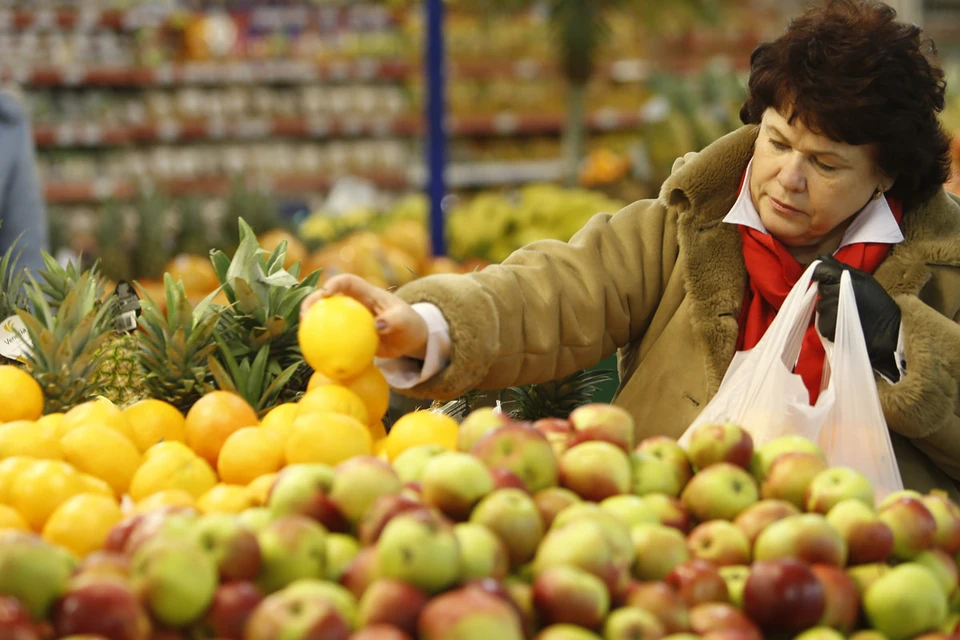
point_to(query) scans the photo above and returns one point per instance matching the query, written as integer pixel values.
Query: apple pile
(556, 530)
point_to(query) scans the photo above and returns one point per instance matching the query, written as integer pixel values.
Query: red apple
(669, 451)
(551, 501)
(522, 450)
(790, 475)
(233, 604)
(731, 634)
(759, 516)
(232, 547)
(455, 613)
(808, 537)
(719, 542)
(868, 538)
(914, 527)
(783, 595)
(697, 581)
(478, 423)
(392, 602)
(515, 593)
(361, 572)
(947, 514)
(603, 422)
(304, 490)
(595, 470)
(107, 608)
(662, 601)
(506, 479)
(383, 510)
(713, 443)
(16, 622)
(557, 432)
(719, 616)
(296, 616)
(379, 632)
(841, 598)
(111, 563)
(568, 595)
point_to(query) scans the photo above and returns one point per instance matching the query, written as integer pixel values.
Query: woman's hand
(403, 332)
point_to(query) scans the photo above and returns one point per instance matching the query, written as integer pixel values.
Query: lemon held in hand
(338, 337)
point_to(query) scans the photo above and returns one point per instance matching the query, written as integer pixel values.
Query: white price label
(14, 341)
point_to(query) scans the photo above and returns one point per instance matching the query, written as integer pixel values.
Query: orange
(10, 469)
(250, 453)
(42, 487)
(168, 498)
(21, 397)
(26, 438)
(338, 337)
(154, 421)
(333, 397)
(172, 471)
(11, 519)
(260, 488)
(103, 453)
(422, 427)
(225, 498)
(328, 438)
(196, 273)
(99, 411)
(296, 250)
(370, 386)
(82, 523)
(213, 418)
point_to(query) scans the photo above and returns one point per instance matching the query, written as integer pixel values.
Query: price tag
(14, 341)
(128, 307)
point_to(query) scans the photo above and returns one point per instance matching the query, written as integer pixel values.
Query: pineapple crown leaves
(57, 281)
(13, 294)
(260, 380)
(190, 329)
(555, 399)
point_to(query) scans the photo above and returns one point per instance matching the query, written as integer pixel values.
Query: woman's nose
(791, 175)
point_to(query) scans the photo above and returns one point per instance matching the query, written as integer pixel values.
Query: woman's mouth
(784, 208)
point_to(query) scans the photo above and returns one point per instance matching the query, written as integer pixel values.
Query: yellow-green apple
(783, 596)
(653, 475)
(392, 602)
(420, 549)
(951, 626)
(513, 516)
(913, 526)
(865, 575)
(835, 485)
(409, 464)
(896, 495)
(469, 614)
(669, 510)
(595, 470)
(380, 632)
(583, 544)
(736, 578)
(296, 616)
(233, 604)
(506, 479)
(521, 595)
(725, 442)
(304, 490)
(108, 608)
(553, 500)
(670, 451)
(633, 623)
(359, 481)
(603, 422)
(381, 512)
(482, 553)
(719, 542)
(868, 634)
(720, 616)
(947, 514)
(362, 571)
(658, 550)
(232, 547)
(16, 622)
(807, 537)
(341, 550)
(478, 423)
(631, 510)
(820, 633)
(558, 433)
(166, 523)
(761, 515)
(661, 600)
(868, 538)
(339, 597)
(906, 601)
(255, 519)
(842, 599)
(455, 482)
(34, 572)
(766, 453)
(790, 475)
(175, 579)
(942, 566)
(933, 635)
(719, 492)
(566, 632)
(522, 450)
(698, 581)
(614, 529)
(570, 595)
(110, 563)
(291, 548)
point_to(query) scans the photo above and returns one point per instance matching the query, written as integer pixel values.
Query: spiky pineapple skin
(120, 376)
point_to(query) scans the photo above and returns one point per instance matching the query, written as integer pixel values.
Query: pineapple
(12, 291)
(556, 399)
(260, 381)
(174, 346)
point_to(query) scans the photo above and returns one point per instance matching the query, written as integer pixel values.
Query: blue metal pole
(436, 112)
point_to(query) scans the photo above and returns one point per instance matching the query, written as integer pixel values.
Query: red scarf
(771, 274)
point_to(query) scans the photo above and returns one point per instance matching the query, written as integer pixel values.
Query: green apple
(420, 549)
(232, 547)
(736, 578)
(905, 602)
(631, 510)
(292, 548)
(513, 516)
(304, 490)
(628, 623)
(616, 532)
(358, 483)
(583, 544)
(820, 633)
(482, 553)
(865, 575)
(942, 566)
(719, 492)
(256, 519)
(337, 596)
(653, 475)
(670, 451)
(477, 424)
(836, 484)
(341, 550)
(455, 482)
(719, 542)
(33, 572)
(658, 550)
(176, 580)
(409, 465)
(765, 454)
(568, 632)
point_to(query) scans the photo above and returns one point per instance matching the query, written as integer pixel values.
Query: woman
(842, 156)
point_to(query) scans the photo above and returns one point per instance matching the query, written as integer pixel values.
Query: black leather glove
(879, 313)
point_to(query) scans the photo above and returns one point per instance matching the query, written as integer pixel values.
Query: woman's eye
(779, 146)
(825, 167)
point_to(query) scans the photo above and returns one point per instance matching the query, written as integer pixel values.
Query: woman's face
(804, 185)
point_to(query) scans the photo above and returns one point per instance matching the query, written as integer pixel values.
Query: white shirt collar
(875, 223)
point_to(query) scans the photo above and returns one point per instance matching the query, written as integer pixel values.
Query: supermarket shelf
(171, 131)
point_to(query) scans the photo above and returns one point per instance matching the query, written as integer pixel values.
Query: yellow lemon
(99, 411)
(10, 518)
(103, 453)
(329, 438)
(380, 449)
(260, 488)
(21, 397)
(369, 385)
(95, 485)
(9, 470)
(226, 498)
(161, 473)
(281, 418)
(169, 498)
(333, 398)
(154, 421)
(54, 422)
(82, 523)
(422, 427)
(250, 453)
(169, 449)
(378, 431)
(213, 418)
(42, 487)
(25, 438)
(338, 337)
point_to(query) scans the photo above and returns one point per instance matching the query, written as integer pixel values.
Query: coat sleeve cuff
(406, 373)
(925, 398)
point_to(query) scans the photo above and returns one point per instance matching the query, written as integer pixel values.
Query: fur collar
(703, 190)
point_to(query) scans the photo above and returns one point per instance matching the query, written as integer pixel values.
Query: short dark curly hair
(851, 72)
